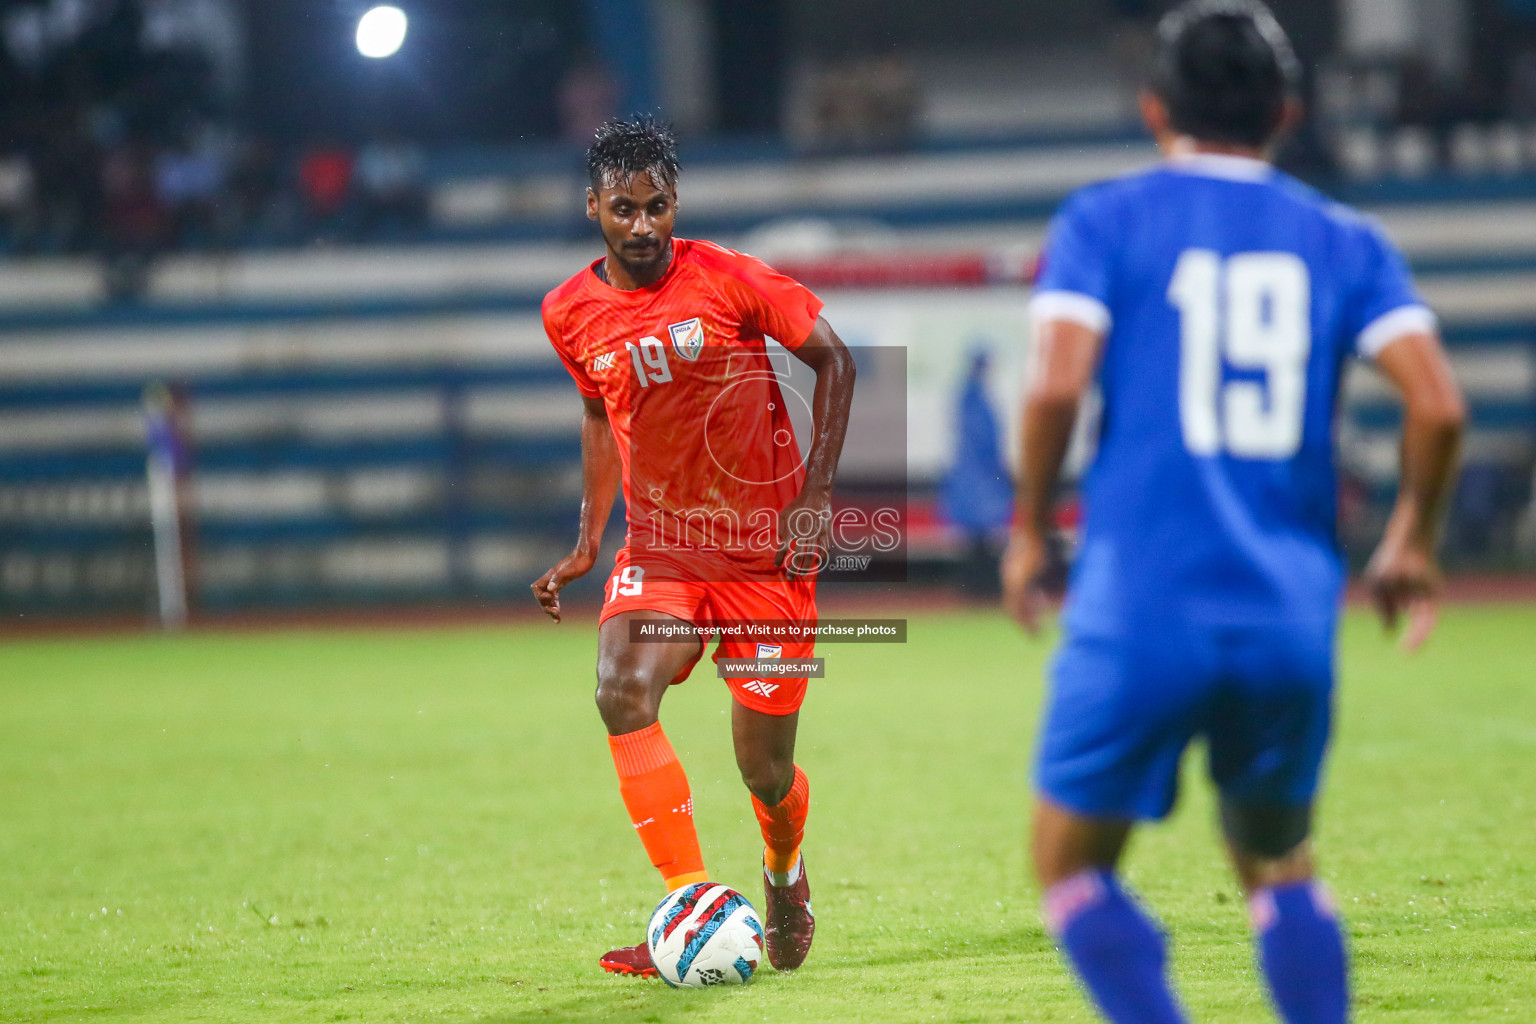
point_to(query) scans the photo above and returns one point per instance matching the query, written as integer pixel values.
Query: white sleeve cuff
(1390, 326)
(1071, 306)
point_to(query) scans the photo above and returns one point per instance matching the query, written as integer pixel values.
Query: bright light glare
(380, 32)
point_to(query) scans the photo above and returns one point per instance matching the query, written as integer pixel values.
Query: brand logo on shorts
(770, 651)
(687, 338)
(603, 362)
(759, 687)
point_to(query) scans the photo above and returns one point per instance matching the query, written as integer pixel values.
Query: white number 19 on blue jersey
(1251, 309)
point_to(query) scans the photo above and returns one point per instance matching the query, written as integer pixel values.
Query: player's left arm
(1404, 573)
(1066, 354)
(807, 520)
(1399, 333)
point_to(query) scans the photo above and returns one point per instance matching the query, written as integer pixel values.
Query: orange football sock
(655, 791)
(783, 825)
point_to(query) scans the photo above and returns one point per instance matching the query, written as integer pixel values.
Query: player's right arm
(1071, 322)
(599, 483)
(1404, 573)
(1066, 356)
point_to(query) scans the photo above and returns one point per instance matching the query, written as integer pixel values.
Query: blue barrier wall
(289, 509)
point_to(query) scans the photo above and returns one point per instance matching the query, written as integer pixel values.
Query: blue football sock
(1301, 949)
(1117, 950)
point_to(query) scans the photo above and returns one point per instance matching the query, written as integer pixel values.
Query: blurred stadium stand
(373, 412)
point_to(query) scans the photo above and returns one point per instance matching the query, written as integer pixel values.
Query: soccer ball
(705, 934)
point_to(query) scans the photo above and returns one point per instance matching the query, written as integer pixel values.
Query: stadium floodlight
(381, 31)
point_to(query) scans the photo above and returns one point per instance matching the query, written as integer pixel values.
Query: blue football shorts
(1122, 710)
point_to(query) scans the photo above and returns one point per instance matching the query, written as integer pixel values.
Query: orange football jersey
(709, 454)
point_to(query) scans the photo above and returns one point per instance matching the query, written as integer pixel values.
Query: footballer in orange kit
(728, 520)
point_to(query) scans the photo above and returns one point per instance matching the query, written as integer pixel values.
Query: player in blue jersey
(1215, 302)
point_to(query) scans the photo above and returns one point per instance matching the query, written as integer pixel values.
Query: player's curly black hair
(622, 149)
(1224, 68)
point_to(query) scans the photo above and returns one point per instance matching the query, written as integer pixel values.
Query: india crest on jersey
(687, 338)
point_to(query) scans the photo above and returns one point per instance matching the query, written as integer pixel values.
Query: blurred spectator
(588, 97)
(16, 199)
(135, 220)
(189, 181)
(977, 493)
(391, 187)
(1419, 95)
(68, 186)
(1131, 36)
(259, 209)
(1520, 86)
(860, 104)
(325, 181)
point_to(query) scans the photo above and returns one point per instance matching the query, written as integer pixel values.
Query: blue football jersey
(1230, 296)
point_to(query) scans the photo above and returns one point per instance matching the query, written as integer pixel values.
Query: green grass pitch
(423, 825)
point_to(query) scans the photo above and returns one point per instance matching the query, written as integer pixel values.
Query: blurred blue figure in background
(977, 493)
(165, 421)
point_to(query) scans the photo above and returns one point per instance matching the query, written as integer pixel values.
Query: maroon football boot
(788, 923)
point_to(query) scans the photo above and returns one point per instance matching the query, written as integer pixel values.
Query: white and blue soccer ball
(705, 934)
